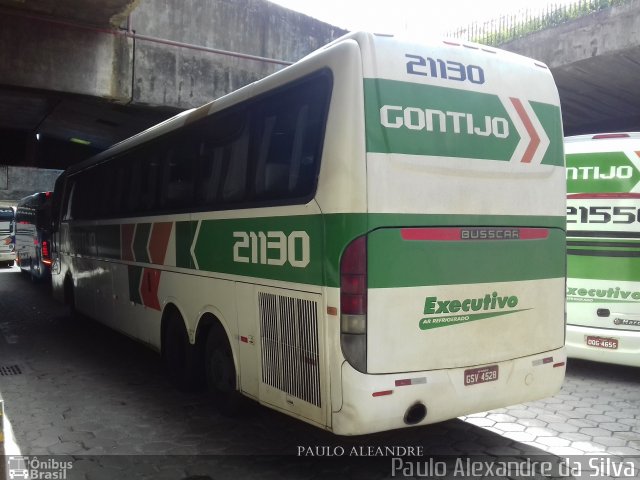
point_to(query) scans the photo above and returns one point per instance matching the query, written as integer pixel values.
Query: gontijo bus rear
(389, 251)
(603, 247)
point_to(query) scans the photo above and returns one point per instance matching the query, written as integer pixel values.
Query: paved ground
(95, 398)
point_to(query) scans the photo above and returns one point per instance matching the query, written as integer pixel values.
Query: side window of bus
(235, 181)
(121, 183)
(82, 201)
(104, 193)
(133, 204)
(177, 174)
(290, 129)
(211, 159)
(222, 158)
(150, 176)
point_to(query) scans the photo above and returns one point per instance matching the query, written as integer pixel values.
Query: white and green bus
(371, 238)
(603, 247)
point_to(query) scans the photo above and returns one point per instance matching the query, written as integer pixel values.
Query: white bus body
(371, 238)
(603, 247)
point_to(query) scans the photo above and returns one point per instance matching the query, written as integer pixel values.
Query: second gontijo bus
(371, 238)
(603, 247)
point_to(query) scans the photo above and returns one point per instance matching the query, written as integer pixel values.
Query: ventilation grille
(289, 332)
(7, 370)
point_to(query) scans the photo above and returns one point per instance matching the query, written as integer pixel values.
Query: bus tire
(220, 372)
(178, 355)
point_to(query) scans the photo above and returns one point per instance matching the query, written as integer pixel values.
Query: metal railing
(509, 27)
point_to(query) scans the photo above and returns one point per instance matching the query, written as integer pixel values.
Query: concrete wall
(63, 59)
(608, 31)
(96, 63)
(183, 77)
(18, 182)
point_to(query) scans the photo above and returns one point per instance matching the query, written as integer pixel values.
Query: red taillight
(45, 249)
(353, 304)
(353, 278)
(603, 136)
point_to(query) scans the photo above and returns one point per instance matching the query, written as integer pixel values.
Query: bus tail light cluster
(353, 303)
(46, 258)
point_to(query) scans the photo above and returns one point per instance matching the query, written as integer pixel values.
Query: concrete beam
(108, 64)
(610, 31)
(185, 78)
(595, 61)
(64, 59)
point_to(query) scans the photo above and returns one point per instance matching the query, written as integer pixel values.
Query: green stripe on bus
(276, 248)
(140, 242)
(462, 262)
(608, 172)
(551, 120)
(604, 268)
(185, 231)
(306, 249)
(440, 134)
(415, 119)
(259, 251)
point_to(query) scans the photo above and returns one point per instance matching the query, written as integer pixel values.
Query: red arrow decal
(535, 138)
(160, 233)
(149, 288)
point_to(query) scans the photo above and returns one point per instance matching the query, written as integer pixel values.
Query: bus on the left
(7, 236)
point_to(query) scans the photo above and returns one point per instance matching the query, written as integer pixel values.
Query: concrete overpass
(78, 75)
(595, 61)
(98, 71)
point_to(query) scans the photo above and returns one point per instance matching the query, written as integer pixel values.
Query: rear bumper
(627, 353)
(7, 256)
(442, 392)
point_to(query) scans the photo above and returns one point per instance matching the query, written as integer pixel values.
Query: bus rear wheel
(220, 372)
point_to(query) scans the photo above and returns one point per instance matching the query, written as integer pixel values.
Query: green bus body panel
(420, 262)
(185, 232)
(588, 163)
(140, 241)
(213, 247)
(435, 142)
(603, 268)
(551, 120)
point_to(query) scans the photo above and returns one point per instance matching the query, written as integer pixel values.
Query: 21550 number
(624, 215)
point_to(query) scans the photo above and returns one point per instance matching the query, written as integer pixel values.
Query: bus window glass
(289, 131)
(235, 183)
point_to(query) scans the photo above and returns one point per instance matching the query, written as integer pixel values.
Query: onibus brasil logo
(34, 468)
(442, 313)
